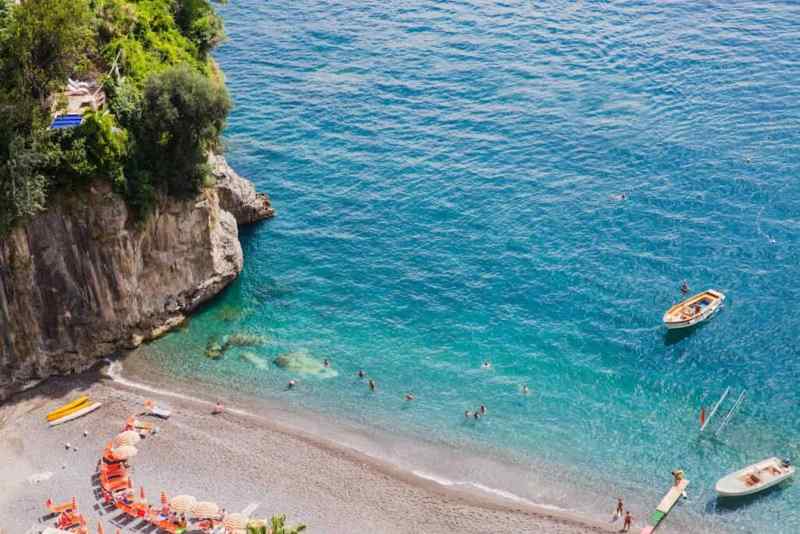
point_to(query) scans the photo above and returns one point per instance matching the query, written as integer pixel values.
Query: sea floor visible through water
(448, 177)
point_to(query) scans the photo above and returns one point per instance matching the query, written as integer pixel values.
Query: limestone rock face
(84, 279)
(238, 195)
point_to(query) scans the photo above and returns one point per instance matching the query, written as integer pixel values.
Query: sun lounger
(151, 408)
(69, 506)
(142, 427)
(117, 485)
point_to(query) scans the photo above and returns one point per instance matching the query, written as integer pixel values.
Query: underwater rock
(243, 339)
(214, 349)
(282, 361)
(303, 363)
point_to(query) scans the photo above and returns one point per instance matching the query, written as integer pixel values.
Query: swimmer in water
(361, 373)
(476, 415)
(326, 363)
(684, 288)
(291, 384)
(487, 365)
(467, 414)
(483, 409)
(410, 397)
(525, 389)
(372, 385)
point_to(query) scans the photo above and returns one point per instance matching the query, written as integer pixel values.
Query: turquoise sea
(445, 175)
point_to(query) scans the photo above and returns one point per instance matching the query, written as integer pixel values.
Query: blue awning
(66, 121)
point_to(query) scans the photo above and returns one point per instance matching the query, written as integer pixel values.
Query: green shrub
(183, 114)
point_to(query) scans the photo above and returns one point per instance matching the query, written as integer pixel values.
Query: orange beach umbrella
(128, 437)
(125, 452)
(182, 503)
(235, 521)
(205, 510)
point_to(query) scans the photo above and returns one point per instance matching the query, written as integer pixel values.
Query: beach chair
(69, 520)
(151, 408)
(120, 484)
(142, 427)
(69, 506)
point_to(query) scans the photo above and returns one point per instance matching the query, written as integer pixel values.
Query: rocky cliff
(84, 279)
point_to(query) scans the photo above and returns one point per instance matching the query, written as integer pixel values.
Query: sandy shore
(234, 460)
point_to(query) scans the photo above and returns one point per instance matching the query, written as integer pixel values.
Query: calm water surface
(444, 176)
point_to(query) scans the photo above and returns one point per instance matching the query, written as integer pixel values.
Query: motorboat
(693, 310)
(755, 478)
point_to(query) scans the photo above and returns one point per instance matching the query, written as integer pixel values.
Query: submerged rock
(242, 339)
(214, 349)
(303, 363)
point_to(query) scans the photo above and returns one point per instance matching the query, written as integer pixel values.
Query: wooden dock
(664, 507)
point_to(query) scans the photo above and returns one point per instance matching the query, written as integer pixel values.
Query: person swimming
(476, 415)
(372, 385)
(410, 397)
(292, 383)
(525, 390)
(684, 288)
(361, 373)
(326, 363)
(486, 365)
(482, 409)
(467, 414)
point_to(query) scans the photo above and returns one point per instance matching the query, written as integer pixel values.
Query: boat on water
(693, 310)
(754, 478)
(68, 408)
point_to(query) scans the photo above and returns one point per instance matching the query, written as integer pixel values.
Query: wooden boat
(67, 408)
(693, 310)
(755, 478)
(80, 412)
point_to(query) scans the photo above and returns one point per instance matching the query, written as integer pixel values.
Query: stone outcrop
(238, 195)
(85, 279)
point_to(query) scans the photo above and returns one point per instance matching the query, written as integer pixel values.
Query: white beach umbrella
(125, 452)
(182, 503)
(235, 521)
(129, 437)
(205, 509)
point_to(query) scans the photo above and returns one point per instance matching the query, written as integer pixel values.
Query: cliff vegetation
(162, 109)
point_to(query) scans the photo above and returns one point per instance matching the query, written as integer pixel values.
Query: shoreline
(416, 490)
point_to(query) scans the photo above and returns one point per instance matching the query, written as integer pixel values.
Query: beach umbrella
(235, 521)
(125, 452)
(129, 437)
(205, 510)
(182, 503)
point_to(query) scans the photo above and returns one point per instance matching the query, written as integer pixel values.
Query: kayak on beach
(67, 408)
(79, 411)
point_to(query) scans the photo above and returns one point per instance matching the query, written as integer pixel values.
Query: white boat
(755, 478)
(693, 310)
(86, 409)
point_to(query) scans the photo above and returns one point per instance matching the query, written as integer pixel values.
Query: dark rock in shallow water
(282, 361)
(214, 349)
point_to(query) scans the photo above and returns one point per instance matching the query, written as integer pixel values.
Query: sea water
(448, 177)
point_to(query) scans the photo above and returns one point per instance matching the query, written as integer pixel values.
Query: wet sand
(234, 460)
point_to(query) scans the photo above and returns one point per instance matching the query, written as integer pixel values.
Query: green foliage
(200, 23)
(278, 526)
(43, 42)
(166, 103)
(183, 114)
(22, 186)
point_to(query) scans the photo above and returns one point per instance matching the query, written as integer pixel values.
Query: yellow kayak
(68, 408)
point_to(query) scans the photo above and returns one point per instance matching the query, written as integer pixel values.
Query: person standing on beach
(626, 526)
(372, 385)
(619, 510)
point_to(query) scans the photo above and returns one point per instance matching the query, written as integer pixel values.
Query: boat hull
(58, 413)
(89, 408)
(732, 486)
(672, 323)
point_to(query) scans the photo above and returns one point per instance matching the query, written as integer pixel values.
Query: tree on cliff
(182, 116)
